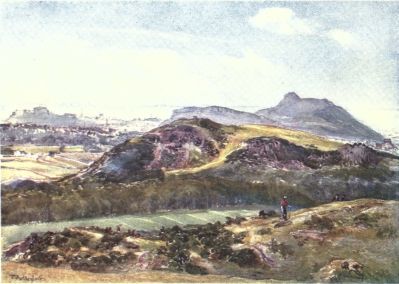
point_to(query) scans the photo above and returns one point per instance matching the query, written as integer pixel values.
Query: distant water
(148, 222)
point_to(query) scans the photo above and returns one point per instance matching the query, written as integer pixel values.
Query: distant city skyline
(124, 59)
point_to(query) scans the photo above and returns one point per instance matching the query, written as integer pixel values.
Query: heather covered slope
(186, 146)
(319, 116)
(182, 144)
(198, 145)
(354, 241)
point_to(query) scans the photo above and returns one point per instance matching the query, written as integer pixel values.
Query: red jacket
(284, 203)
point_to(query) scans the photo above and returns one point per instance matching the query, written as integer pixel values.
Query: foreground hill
(319, 116)
(197, 164)
(182, 144)
(188, 146)
(197, 145)
(353, 241)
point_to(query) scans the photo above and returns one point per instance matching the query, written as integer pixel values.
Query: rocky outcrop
(182, 146)
(340, 270)
(359, 154)
(279, 153)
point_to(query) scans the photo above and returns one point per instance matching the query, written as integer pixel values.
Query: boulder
(340, 270)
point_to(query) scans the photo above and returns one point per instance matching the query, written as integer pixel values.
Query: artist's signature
(25, 278)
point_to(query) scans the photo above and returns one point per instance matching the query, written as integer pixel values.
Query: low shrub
(387, 232)
(319, 222)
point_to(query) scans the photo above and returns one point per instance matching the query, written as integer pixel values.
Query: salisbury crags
(318, 116)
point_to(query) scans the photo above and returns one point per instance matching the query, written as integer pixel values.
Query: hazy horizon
(144, 59)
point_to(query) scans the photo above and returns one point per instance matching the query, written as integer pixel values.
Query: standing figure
(336, 197)
(283, 207)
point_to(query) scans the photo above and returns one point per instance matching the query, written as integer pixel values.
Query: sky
(144, 59)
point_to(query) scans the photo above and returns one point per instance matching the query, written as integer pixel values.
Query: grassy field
(15, 233)
(38, 165)
(35, 149)
(246, 132)
(34, 168)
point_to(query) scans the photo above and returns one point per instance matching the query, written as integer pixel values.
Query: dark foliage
(211, 241)
(319, 222)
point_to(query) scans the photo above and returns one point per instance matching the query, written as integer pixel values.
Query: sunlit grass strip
(246, 132)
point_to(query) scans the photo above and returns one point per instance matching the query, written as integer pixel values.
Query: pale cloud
(285, 21)
(281, 21)
(344, 38)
